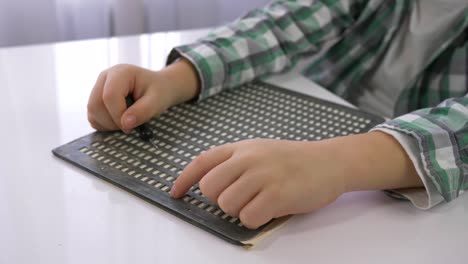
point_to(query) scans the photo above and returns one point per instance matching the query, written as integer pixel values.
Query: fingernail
(130, 121)
(173, 191)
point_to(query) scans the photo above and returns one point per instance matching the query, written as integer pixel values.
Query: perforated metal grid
(252, 111)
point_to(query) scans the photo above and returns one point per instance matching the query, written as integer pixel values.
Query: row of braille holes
(344, 128)
(109, 137)
(285, 98)
(163, 187)
(335, 121)
(325, 126)
(214, 107)
(319, 120)
(315, 129)
(259, 119)
(211, 209)
(197, 140)
(121, 136)
(288, 109)
(220, 134)
(181, 152)
(229, 117)
(222, 125)
(262, 105)
(171, 129)
(199, 111)
(112, 136)
(276, 93)
(171, 158)
(97, 145)
(167, 166)
(165, 145)
(191, 122)
(108, 150)
(183, 127)
(138, 147)
(182, 111)
(141, 154)
(166, 176)
(174, 123)
(260, 114)
(137, 164)
(126, 158)
(218, 140)
(271, 124)
(188, 116)
(240, 103)
(303, 103)
(126, 147)
(230, 105)
(103, 159)
(263, 98)
(255, 127)
(343, 116)
(114, 143)
(264, 133)
(209, 137)
(202, 134)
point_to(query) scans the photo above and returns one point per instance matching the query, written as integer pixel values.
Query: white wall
(81, 19)
(37, 21)
(20, 22)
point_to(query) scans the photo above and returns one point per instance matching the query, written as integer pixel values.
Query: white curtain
(38, 21)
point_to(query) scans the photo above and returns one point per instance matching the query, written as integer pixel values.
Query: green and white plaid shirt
(346, 43)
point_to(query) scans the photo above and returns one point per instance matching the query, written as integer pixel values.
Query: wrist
(322, 157)
(375, 161)
(183, 80)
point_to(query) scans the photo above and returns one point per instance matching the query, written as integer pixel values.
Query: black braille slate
(256, 110)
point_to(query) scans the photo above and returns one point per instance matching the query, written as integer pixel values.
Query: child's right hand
(152, 91)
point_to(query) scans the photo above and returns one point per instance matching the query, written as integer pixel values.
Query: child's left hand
(260, 179)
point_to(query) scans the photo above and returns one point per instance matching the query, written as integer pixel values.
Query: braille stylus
(144, 132)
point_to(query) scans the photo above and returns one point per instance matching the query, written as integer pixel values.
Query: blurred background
(25, 22)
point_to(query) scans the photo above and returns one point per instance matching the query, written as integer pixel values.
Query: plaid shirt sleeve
(269, 40)
(440, 139)
(440, 133)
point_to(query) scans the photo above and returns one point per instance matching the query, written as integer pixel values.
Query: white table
(52, 212)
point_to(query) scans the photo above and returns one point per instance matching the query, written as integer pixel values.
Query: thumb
(141, 111)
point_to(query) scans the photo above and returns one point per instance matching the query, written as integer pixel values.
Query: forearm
(374, 161)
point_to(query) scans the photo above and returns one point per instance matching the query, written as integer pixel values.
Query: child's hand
(152, 91)
(257, 180)
(260, 179)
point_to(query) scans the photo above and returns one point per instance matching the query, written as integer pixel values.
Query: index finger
(116, 88)
(199, 167)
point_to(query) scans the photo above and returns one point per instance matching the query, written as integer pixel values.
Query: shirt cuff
(422, 198)
(208, 63)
